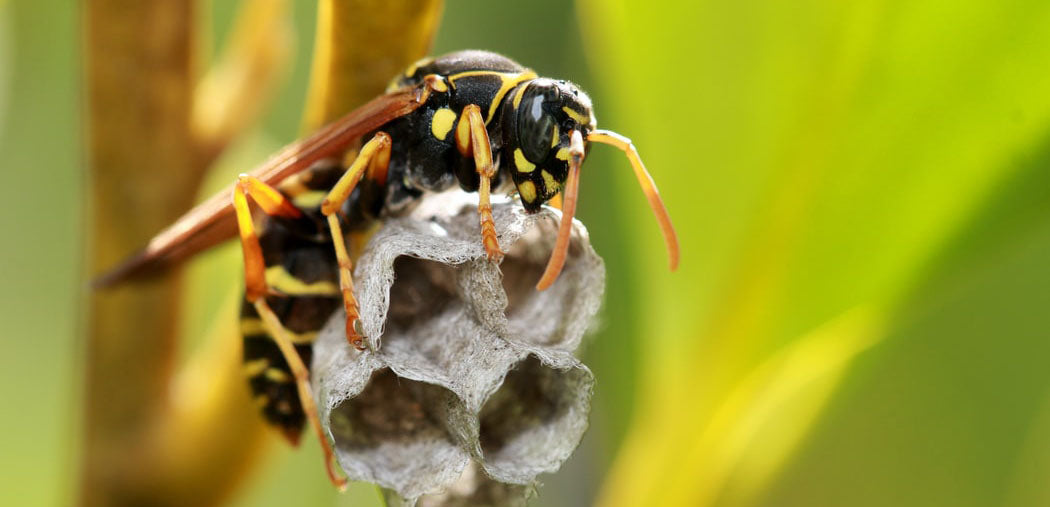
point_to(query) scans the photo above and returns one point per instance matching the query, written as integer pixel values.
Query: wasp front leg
(275, 204)
(374, 158)
(472, 139)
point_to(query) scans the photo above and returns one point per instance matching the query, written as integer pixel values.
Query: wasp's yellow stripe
(518, 96)
(309, 199)
(278, 375)
(508, 80)
(293, 185)
(255, 367)
(250, 326)
(279, 278)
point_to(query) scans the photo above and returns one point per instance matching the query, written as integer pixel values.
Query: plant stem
(143, 175)
(360, 46)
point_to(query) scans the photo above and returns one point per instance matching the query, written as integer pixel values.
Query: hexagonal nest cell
(470, 387)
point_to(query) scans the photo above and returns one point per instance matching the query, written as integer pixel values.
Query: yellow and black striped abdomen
(302, 272)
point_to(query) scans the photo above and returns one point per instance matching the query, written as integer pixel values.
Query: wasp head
(547, 127)
(538, 122)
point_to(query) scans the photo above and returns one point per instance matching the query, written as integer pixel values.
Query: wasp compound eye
(535, 122)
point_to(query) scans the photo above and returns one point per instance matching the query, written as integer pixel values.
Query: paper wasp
(472, 118)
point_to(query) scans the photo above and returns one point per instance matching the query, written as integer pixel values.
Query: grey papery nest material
(470, 388)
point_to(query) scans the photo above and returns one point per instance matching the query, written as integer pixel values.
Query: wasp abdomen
(270, 379)
(302, 273)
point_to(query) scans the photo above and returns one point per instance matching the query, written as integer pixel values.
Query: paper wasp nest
(470, 389)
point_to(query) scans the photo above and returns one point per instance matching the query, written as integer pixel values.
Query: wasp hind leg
(374, 158)
(472, 139)
(275, 204)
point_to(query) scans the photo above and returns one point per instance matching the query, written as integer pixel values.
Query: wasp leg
(273, 203)
(302, 383)
(473, 139)
(375, 158)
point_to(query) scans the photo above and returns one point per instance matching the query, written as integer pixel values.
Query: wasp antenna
(648, 187)
(568, 209)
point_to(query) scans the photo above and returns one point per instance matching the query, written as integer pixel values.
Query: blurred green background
(862, 192)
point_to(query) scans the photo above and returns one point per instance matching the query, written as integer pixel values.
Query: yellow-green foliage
(861, 189)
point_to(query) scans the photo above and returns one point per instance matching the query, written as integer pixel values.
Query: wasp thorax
(538, 118)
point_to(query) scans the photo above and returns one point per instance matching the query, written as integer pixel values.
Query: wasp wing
(213, 221)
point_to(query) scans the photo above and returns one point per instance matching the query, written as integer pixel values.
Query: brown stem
(139, 447)
(139, 81)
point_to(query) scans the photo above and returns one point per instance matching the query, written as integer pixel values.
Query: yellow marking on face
(422, 62)
(261, 401)
(280, 279)
(554, 138)
(310, 199)
(254, 327)
(563, 154)
(278, 375)
(441, 123)
(576, 115)
(255, 367)
(508, 80)
(518, 95)
(527, 190)
(522, 163)
(549, 182)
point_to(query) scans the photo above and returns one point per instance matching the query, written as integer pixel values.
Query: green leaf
(817, 157)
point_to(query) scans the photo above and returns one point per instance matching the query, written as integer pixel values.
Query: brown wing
(213, 221)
